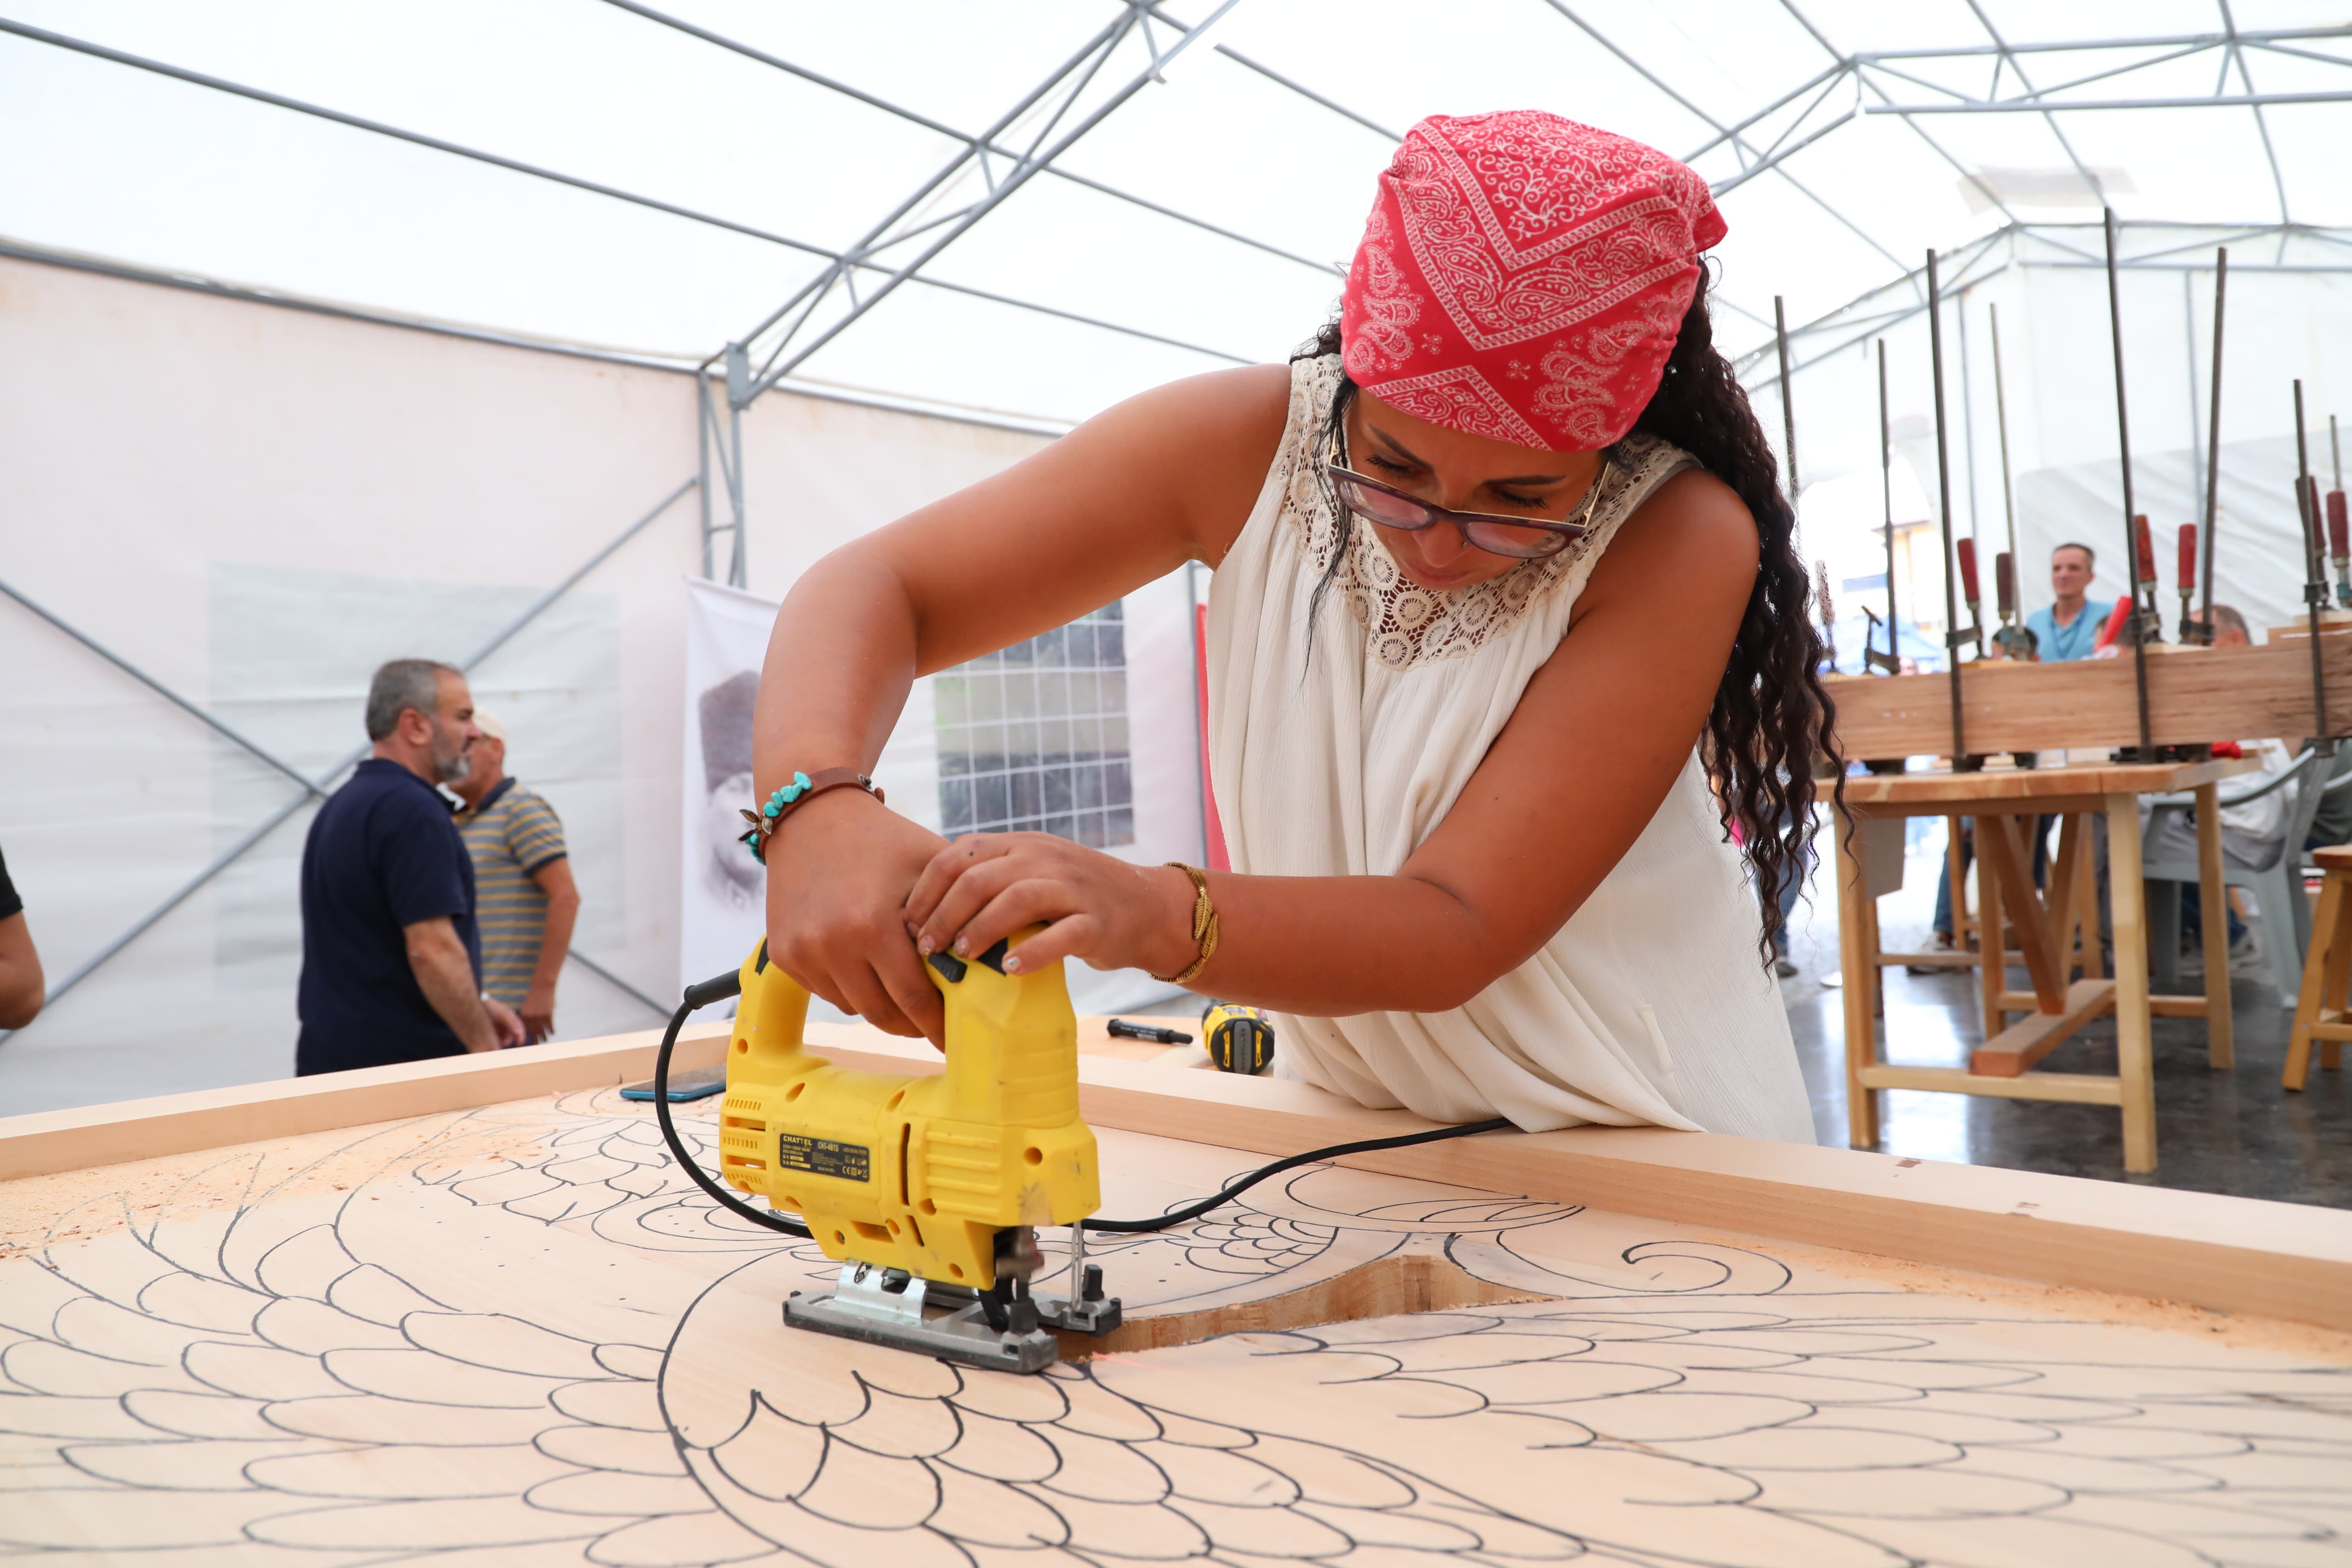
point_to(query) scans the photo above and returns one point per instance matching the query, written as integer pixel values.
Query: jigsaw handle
(768, 1030)
(1012, 1041)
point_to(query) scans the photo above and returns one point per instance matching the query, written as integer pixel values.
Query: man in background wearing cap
(525, 900)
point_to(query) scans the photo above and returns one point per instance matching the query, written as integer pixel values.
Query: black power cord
(719, 987)
(1313, 1156)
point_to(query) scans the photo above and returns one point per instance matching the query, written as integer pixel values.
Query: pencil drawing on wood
(516, 1336)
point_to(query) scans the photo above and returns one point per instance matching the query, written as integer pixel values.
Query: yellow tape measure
(1239, 1039)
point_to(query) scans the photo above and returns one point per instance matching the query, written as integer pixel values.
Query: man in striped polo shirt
(524, 899)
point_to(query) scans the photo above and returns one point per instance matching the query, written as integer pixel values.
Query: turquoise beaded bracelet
(800, 792)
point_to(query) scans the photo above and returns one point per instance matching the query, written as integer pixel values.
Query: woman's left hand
(984, 886)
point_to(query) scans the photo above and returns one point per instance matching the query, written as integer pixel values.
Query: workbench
(2007, 805)
(468, 1310)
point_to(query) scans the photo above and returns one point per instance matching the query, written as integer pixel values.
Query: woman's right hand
(839, 870)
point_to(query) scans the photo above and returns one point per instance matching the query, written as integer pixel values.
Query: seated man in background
(22, 986)
(524, 899)
(2253, 836)
(2332, 823)
(391, 963)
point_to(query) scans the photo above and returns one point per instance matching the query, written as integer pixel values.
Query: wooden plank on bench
(2023, 1044)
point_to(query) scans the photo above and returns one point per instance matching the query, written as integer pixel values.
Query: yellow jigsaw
(927, 1190)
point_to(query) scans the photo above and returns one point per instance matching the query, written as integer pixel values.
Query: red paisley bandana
(1523, 277)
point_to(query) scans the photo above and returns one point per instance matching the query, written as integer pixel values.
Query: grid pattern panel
(1034, 739)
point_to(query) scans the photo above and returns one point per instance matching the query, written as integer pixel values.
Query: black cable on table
(716, 989)
(1313, 1156)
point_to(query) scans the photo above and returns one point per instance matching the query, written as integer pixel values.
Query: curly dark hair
(1772, 720)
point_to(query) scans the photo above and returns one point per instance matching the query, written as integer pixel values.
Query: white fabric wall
(257, 506)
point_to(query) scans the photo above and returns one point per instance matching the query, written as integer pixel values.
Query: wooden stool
(2323, 1013)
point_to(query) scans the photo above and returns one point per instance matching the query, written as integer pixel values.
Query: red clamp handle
(2115, 626)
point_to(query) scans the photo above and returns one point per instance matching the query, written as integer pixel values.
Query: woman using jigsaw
(1501, 577)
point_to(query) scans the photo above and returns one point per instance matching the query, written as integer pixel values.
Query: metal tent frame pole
(1862, 318)
(835, 260)
(914, 117)
(725, 444)
(904, 224)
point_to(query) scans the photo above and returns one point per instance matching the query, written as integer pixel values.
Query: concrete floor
(2235, 1131)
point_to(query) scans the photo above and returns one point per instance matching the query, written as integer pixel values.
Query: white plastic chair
(2277, 887)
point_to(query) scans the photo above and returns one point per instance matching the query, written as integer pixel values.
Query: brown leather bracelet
(804, 788)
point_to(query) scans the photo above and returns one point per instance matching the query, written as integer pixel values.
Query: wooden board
(2235, 1254)
(2011, 1052)
(206, 1119)
(2204, 695)
(513, 1336)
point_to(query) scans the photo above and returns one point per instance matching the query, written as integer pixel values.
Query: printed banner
(722, 906)
(723, 898)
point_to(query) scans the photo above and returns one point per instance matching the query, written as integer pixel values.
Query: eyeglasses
(1528, 539)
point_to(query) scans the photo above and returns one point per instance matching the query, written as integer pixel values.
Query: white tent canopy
(1207, 201)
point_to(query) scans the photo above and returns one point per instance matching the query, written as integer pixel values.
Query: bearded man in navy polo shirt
(392, 965)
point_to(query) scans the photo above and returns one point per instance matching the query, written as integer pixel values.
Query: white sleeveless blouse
(1649, 1005)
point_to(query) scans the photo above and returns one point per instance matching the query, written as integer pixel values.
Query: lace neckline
(1408, 626)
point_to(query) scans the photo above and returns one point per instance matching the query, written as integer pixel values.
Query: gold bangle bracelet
(1204, 926)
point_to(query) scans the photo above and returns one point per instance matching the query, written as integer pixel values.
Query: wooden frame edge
(48, 1141)
(2231, 1255)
